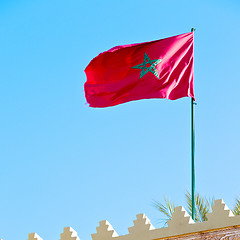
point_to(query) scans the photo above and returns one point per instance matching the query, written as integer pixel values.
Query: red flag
(157, 69)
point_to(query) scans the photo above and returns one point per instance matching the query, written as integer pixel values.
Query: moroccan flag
(157, 69)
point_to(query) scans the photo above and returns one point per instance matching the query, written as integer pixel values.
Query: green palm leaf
(202, 206)
(167, 209)
(236, 208)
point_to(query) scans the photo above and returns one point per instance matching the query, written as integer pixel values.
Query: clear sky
(65, 164)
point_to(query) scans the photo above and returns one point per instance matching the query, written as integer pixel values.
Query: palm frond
(167, 209)
(236, 208)
(189, 203)
(202, 206)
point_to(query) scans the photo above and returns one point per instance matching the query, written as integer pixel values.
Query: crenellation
(222, 224)
(220, 211)
(180, 221)
(141, 228)
(34, 236)
(181, 224)
(69, 234)
(105, 231)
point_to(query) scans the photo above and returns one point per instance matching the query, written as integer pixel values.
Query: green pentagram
(148, 66)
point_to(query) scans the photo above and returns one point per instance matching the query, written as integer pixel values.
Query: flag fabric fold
(157, 69)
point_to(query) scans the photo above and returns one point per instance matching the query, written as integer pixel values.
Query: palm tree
(167, 209)
(202, 207)
(236, 208)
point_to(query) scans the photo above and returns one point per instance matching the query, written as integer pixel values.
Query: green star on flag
(148, 65)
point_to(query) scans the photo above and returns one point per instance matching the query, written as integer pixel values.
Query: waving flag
(157, 69)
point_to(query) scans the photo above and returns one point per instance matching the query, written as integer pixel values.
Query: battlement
(222, 224)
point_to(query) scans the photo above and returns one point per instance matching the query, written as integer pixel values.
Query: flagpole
(192, 158)
(193, 155)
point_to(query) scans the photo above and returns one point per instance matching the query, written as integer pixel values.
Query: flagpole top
(193, 29)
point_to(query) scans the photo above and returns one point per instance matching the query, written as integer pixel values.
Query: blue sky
(65, 164)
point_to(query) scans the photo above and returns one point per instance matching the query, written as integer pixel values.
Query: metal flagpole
(192, 158)
(193, 154)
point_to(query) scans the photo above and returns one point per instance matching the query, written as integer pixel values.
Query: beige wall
(221, 225)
